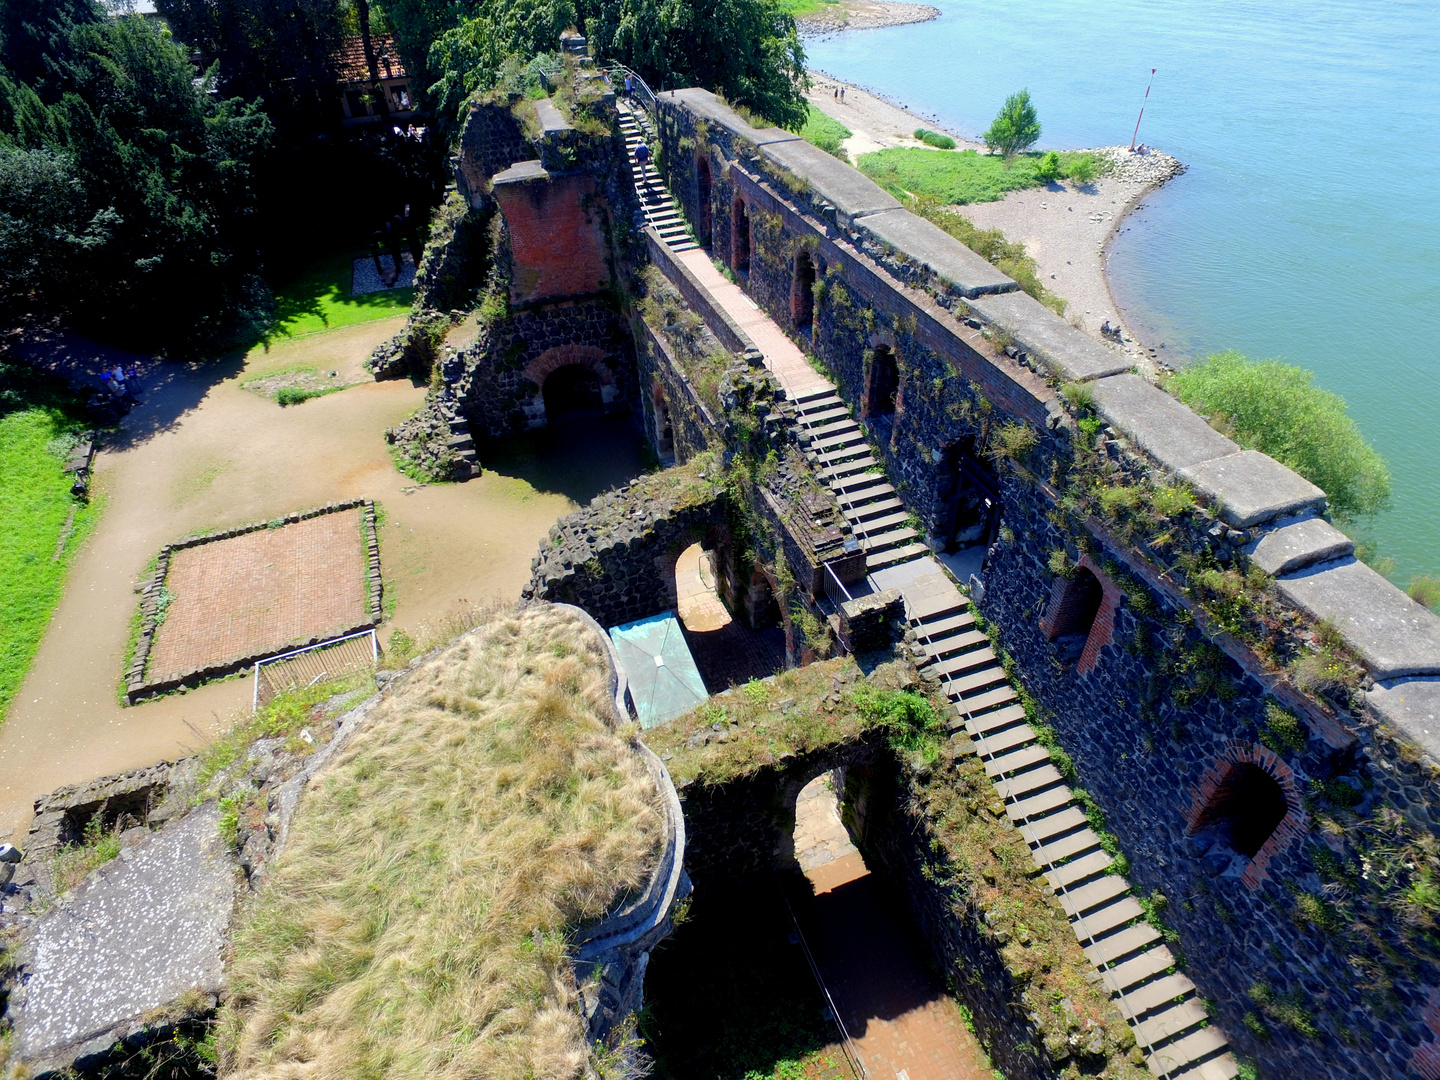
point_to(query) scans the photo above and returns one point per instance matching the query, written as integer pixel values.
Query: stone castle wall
(1314, 967)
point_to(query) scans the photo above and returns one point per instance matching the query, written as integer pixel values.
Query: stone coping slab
(1159, 424)
(520, 173)
(851, 192)
(1252, 488)
(1072, 355)
(709, 107)
(1299, 544)
(550, 117)
(938, 251)
(138, 934)
(1392, 634)
(1412, 707)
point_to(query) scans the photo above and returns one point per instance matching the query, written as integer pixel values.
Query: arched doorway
(802, 292)
(968, 493)
(572, 390)
(705, 185)
(739, 237)
(1071, 614)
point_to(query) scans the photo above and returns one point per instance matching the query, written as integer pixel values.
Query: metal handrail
(646, 96)
(374, 658)
(1027, 830)
(847, 1044)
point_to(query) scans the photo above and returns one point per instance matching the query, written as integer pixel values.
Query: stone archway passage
(583, 383)
(882, 385)
(802, 292)
(1251, 793)
(739, 237)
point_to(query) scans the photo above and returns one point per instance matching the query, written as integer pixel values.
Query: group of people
(122, 384)
(839, 93)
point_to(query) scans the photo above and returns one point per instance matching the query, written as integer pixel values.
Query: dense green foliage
(747, 50)
(970, 176)
(1276, 408)
(126, 189)
(935, 139)
(825, 132)
(1016, 127)
(38, 418)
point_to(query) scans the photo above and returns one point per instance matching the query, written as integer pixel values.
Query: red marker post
(1142, 111)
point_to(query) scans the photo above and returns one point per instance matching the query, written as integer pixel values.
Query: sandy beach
(1064, 226)
(862, 15)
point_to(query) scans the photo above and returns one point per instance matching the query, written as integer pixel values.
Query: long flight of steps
(867, 498)
(1171, 1024)
(655, 199)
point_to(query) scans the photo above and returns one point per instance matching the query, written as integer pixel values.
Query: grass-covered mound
(968, 176)
(417, 922)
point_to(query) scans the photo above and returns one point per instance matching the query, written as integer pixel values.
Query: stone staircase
(1171, 1025)
(866, 496)
(656, 202)
(461, 443)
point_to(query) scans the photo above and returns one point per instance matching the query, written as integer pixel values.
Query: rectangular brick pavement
(261, 592)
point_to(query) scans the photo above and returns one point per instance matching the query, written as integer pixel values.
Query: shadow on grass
(319, 299)
(730, 995)
(579, 457)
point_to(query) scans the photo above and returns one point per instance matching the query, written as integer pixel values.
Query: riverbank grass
(39, 419)
(968, 176)
(826, 132)
(418, 923)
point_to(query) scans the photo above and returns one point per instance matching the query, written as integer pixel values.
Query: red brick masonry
(1060, 615)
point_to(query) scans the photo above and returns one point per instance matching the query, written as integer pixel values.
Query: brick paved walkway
(261, 592)
(903, 1023)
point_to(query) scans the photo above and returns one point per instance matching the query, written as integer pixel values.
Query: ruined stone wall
(1152, 725)
(491, 140)
(616, 558)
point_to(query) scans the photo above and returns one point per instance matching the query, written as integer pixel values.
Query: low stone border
(138, 687)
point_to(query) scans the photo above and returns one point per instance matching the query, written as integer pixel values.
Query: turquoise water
(1308, 224)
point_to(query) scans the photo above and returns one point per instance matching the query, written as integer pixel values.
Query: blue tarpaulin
(664, 681)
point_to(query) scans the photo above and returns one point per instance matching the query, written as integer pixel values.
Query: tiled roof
(350, 59)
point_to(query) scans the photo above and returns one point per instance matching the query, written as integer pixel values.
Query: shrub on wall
(1275, 407)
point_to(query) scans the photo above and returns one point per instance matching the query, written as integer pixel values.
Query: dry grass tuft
(417, 923)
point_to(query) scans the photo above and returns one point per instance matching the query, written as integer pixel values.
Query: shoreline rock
(864, 15)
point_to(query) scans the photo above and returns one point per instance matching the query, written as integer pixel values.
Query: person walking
(642, 155)
(629, 85)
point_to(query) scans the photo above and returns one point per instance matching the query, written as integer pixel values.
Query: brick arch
(1212, 785)
(540, 369)
(1065, 595)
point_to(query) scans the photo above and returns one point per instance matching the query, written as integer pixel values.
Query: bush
(1016, 127)
(935, 139)
(1426, 590)
(825, 132)
(1049, 167)
(1080, 167)
(294, 395)
(1274, 407)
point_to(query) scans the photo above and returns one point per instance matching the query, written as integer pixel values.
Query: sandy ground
(864, 15)
(202, 453)
(1065, 227)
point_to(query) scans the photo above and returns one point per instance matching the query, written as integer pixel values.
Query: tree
(1276, 408)
(1016, 127)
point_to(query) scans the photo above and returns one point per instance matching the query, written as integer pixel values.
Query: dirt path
(202, 453)
(1064, 226)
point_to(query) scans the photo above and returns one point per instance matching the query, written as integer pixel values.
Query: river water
(1308, 224)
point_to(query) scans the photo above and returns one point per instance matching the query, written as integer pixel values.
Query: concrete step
(869, 511)
(841, 425)
(962, 653)
(1066, 847)
(1223, 1067)
(1102, 920)
(879, 522)
(1077, 870)
(937, 628)
(848, 435)
(1084, 898)
(1113, 947)
(852, 473)
(990, 698)
(963, 686)
(807, 398)
(1039, 830)
(1168, 1023)
(1155, 994)
(884, 539)
(874, 488)
(1051, 799)
(1027, 782)
(894, 556)
(1018, 759)
(843, 452)
(824, 415)
(1130, 974)
(995, 721)
(955, 641)
(1005, 740)
(1192, 1048)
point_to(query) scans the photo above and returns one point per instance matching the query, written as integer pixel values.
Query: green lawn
(959, 176)
(36, 416)
(801, 8)
(320, 299)
(824, 131)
